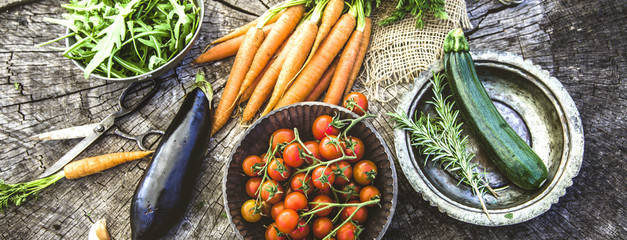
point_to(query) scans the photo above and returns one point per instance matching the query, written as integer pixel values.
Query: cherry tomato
(252, 185)
(322, 198)
(351, 189)
(296, 201)
(248, 211)
(252, 165)
(343, 173)
(360, 216)
(292, 155)
(278, 170)
(276, 209)
(313, 147)
(322, 127)
(331, 147)
(364, 172)
(287, 220)
(301, 183)
(271, 192)
(325, 174)
(367, 193)
(347, 231)
(358, 99)
(321, 227)
(282, 135)
(273, 234)
(301, 231)
(358, 149)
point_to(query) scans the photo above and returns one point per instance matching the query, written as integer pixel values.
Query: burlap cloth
(400, 51)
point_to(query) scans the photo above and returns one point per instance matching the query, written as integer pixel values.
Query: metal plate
(537, 107)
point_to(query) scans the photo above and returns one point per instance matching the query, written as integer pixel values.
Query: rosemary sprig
(440, 139)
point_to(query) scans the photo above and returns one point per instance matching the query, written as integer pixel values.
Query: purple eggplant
(166, 187)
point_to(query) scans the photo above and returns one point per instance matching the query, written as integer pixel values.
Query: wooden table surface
(581, 43)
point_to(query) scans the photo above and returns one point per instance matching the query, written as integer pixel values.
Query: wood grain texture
(581, 43)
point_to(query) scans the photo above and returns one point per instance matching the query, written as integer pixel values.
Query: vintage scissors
(93, 132)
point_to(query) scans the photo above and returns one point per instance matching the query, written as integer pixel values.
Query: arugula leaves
(127, 38)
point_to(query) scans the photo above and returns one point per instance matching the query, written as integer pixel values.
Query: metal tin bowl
(301, 116)
(158, 71)
(536, 106)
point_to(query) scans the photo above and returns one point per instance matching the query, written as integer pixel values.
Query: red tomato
(325, 174)
(343, 173)
(273, 234)
(313, 147)
(367, 193)
(248, 211)
(287, 220)
(252, 165)
(358, 149)
(276, 209)
(321, 227)
(331, 147)
(278, 170)
(282, 135)
(364, 172)
(347, 231)
(359, 103)
(271, 192)
(252, 185)
(351, 189)
(301, 183)
(301, 231)
(296, 201)
(322, 126)
(360, 216)
(321, 199)
(292, 155)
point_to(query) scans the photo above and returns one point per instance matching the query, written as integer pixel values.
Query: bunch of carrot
(292, 54)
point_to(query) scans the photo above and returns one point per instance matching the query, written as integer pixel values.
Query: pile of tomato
(312, 188)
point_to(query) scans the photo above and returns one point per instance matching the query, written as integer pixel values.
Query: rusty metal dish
(537, 107)
(302, 116)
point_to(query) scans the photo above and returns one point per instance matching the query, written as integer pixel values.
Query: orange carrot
(331, 14)
(91, 165)
(243, 59)
(246, 95)
(329, 48)
(344, 67)
(226, 49)
(280, 31)
(296, 56)
(323, 84)
(268, 81)
(240, 31)
(360, 56)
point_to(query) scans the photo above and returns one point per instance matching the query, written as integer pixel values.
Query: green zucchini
(511, 155)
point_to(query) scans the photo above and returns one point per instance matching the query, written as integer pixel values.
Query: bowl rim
(571, 159)
(311, 103)
(161, 70)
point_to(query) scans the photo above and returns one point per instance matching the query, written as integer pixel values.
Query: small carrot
(226, 49)
(329, 48)
(16, 194)
(243, 59)
(295, 58)
(331, 14)
(268, 81)
(360, 56)
(281, 30)
(324, 82)
(91, 165)
(240, 31)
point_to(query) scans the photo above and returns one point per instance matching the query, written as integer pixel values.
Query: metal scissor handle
(139, 139)
(122, 101)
